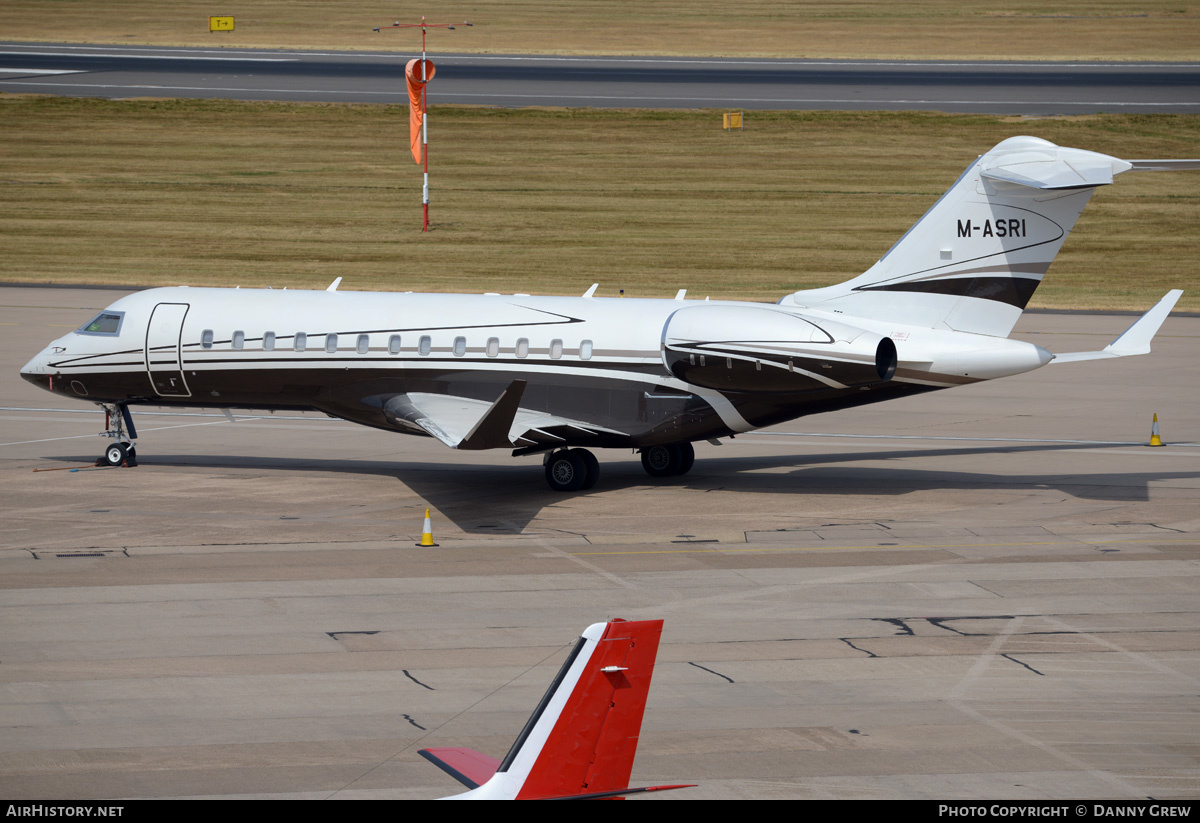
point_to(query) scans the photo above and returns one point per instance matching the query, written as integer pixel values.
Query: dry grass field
(157, 192)
(935, 29)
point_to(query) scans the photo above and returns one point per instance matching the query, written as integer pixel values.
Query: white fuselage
(614, 367)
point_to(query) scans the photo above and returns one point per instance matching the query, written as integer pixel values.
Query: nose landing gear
(119, 426)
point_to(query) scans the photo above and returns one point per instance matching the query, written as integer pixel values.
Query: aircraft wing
(469, 424)
(1135, 339)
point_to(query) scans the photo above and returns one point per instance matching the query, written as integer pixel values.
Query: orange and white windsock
(418, 72)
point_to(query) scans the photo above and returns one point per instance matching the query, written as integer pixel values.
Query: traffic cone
(1155, 440)
(427, 534)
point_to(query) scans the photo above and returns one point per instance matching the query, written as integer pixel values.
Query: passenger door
(164, 355)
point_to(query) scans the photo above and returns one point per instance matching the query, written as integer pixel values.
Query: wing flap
(469, 424)
(461, 422)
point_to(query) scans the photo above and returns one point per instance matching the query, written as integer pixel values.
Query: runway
(656, 82)
(990, 592)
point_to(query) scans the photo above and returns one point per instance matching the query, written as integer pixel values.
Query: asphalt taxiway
(988, 592)
(975, 86)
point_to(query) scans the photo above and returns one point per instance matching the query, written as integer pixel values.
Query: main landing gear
(572, 470)
(119, 426)
(668, 460)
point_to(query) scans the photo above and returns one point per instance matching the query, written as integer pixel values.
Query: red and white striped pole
(424, 130)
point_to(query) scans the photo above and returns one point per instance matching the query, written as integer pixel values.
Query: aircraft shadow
(492, 499)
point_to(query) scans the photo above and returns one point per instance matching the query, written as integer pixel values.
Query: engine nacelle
(744, 348)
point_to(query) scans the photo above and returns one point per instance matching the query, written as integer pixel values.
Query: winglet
(491, 431)
(333, 286)
(581, 740)
(1135, 339)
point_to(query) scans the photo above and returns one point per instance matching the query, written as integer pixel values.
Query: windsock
(416, 101)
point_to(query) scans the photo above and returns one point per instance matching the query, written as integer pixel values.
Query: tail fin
(582, 737)
(973, 261)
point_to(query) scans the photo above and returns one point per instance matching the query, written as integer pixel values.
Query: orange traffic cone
(427, 533)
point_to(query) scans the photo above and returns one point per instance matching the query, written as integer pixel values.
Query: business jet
(580, 742)
(559, 376)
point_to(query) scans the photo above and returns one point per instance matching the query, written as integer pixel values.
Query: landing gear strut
(119, 426)
(571, 470)
(668, 460)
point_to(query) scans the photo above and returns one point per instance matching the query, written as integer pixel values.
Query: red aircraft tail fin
(582, 737)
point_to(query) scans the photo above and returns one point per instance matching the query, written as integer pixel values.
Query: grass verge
(928, 29)
(157, 192)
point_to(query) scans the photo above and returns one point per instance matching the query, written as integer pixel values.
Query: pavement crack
(710, 671)
(846, 640)
(941, 622)
(418, 682)
(408, 717)
(898, 622)
(1019, 663)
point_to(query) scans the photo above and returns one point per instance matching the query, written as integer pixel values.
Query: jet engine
(751, 349)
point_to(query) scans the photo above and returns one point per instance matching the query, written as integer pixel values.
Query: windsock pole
(424, 129)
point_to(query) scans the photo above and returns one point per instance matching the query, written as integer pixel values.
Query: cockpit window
(107, 322)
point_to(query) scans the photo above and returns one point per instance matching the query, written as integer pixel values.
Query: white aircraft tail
(582, 737)
(972, 263)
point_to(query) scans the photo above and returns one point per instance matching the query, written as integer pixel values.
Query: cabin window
(364, 344)
(108, 322)
(239, 340)
(206, 338)
(300, 342)
(493, 347)
(394, 344)
(585, 350)
(269, 341)
(523, 347)
(331, 343)
(555, 349)
(425, 346)
(460, 346)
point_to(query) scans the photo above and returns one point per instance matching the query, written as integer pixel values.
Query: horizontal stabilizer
(467, 766)
(1135, 339)
(1165, 165)
(1071, 169)
(623, 792)
(1057, 167)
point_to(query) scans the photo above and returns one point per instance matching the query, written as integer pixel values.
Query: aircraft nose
(37, 370)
